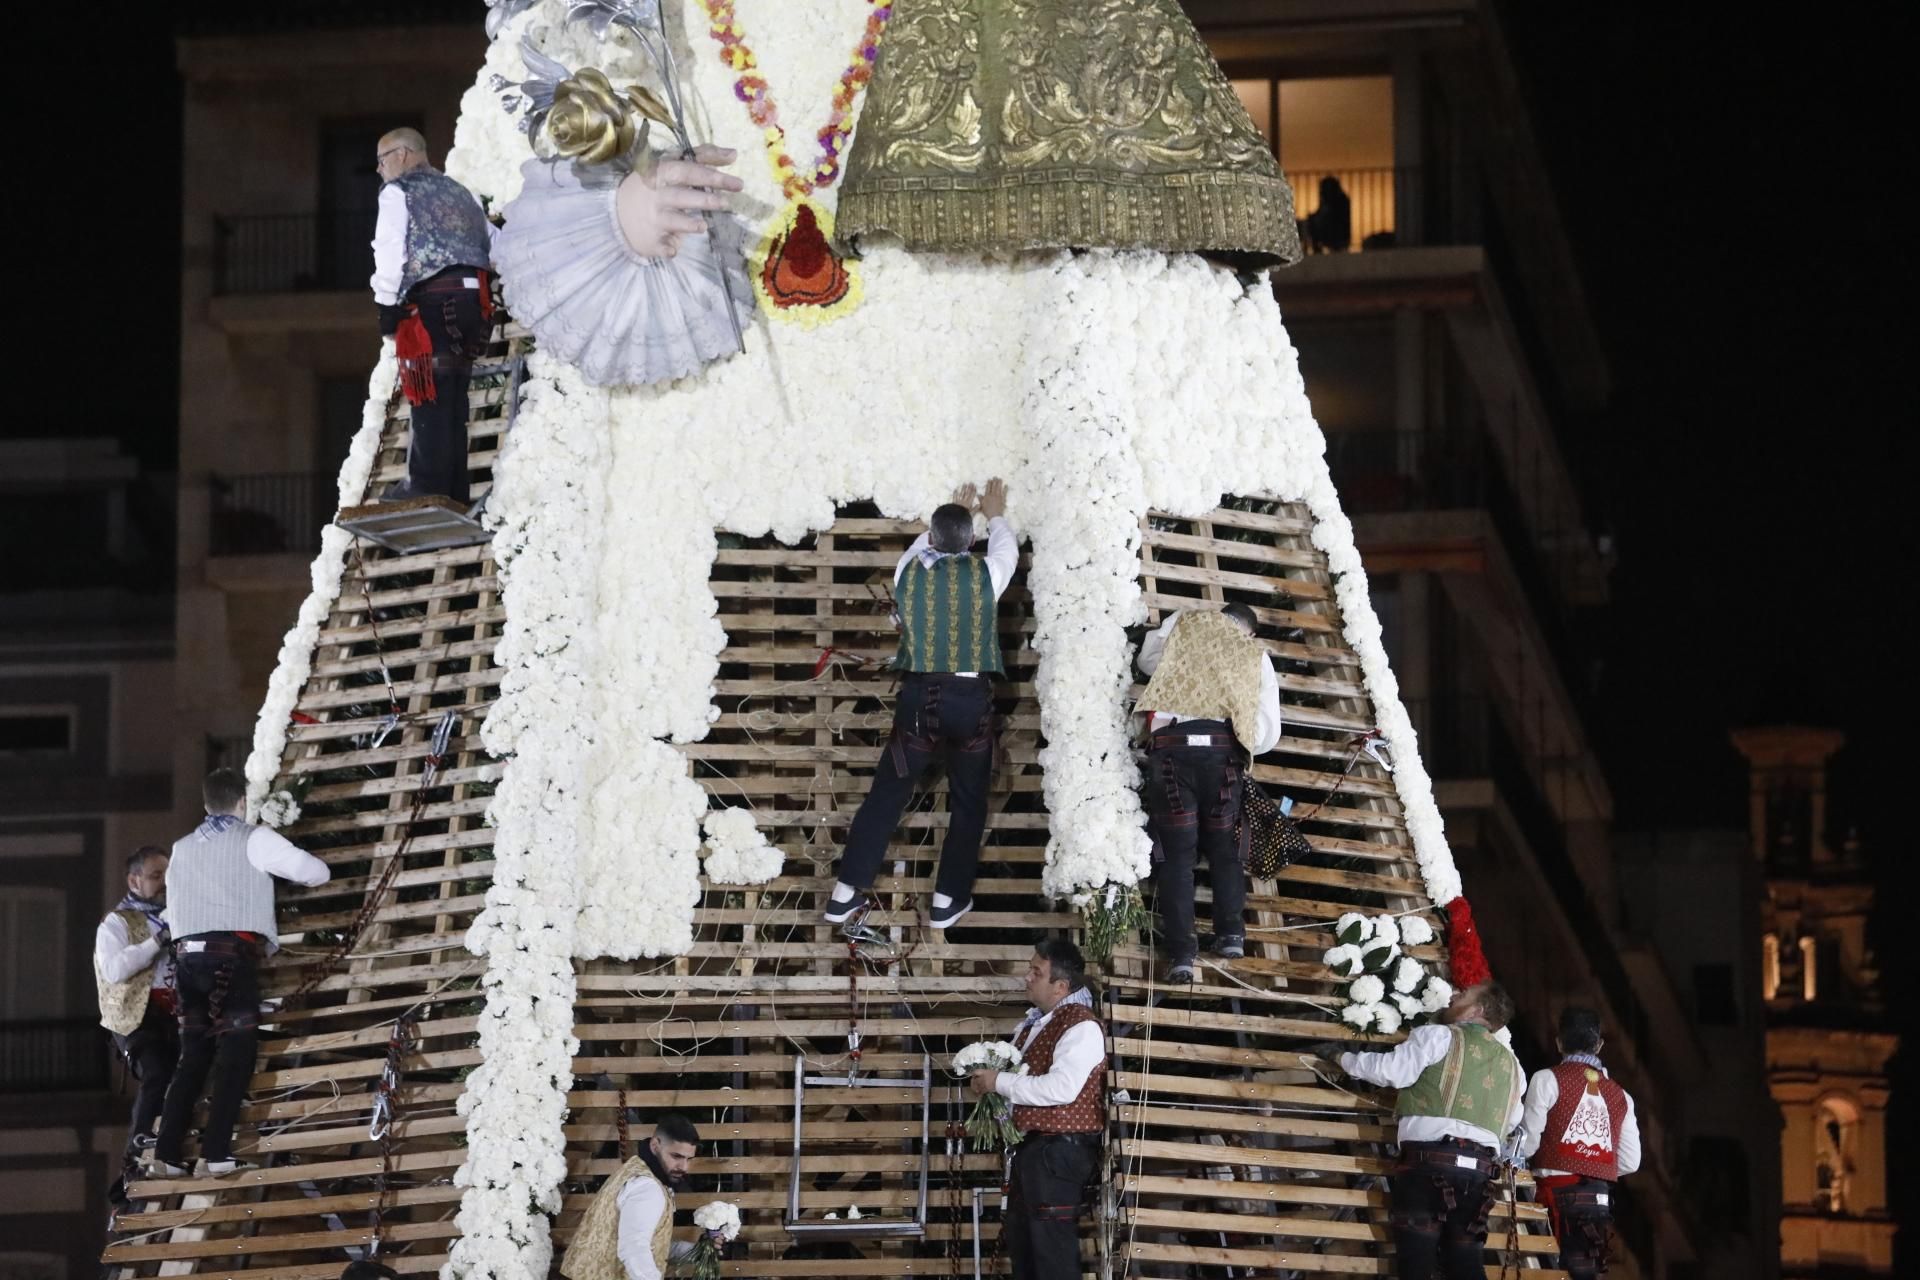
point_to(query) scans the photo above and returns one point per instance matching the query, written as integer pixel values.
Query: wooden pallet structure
(1227, 1154)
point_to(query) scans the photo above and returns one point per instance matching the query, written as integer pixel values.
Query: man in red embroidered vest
(1059, 1106)
(1581, 1133)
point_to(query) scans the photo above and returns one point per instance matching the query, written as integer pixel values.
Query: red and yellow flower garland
(795, 271)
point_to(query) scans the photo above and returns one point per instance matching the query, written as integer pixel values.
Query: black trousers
(1042, 1227)
(150, 1050)
(936, 717)
(1439, 1215)
(219, 1013)
(1582, 1224)
(1193, 796)
(437, 456)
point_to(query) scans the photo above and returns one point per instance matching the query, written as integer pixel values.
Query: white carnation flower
(1367, 989)
(1436, 995)
(1343, 960)
(1350, 921)
(1359, 1015)
(1387, 1020)
(1415, 931)
(1385, 929)
(1409, 1006)
(1407, 974)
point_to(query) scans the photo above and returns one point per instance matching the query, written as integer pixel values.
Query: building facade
(1829, 1042)
(86, 670)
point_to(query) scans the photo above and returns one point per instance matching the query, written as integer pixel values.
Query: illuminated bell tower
(1827, 1046)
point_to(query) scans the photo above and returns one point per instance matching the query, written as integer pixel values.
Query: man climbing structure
(432, 259)
(1059, 1108)
(1211, 693)
(1580, 1130)
(946, 604)
(133, 970)
(1460, 1095)
(627, 1233)
(220, 906)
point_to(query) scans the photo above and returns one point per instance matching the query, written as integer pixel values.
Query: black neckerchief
(653, 1163)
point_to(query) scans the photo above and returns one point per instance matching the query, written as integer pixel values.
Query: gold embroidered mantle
(997, 125)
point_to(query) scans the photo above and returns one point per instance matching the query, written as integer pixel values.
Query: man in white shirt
(946, 604)
(221, 911)
(432, 256)
(1059, 1108)
(627, 1233)
(1460, 1095)
(1211, 694)
(134, 973)
(1583, 1129)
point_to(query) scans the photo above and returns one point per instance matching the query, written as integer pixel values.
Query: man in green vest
(946, 604)
(1461, 1094)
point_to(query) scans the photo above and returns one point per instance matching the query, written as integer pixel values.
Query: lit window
(1809, 977)
(1770, 966)
(1833, 1125)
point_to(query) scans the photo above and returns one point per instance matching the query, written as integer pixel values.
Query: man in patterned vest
(627, 1233)
(946, 604)
(1460, 1092)
(220, 909)
(1059, 1107)
(134, 973)
(1212, 692)
(432, 250)
(1582, 1135)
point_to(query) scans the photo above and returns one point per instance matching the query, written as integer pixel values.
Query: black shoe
(948, 916)
(1182, 972)
(1229, 948)
(839, 912)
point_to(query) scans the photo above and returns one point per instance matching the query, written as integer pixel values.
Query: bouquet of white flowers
(990, 1123)
(719, 1223)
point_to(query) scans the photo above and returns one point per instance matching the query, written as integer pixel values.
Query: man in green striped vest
(1461, 1093)
(946, 604)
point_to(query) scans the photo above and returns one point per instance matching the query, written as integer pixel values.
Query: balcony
(274, 514)
(292, 252)
(1374, 199)
(46, 1055)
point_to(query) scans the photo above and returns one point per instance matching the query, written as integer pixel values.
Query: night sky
(1729, 183)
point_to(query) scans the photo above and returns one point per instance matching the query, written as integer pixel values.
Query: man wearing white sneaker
(946, 604)
(220, 908)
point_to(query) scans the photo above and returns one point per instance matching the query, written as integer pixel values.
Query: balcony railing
(1375, 201)
(48, 1054)
(1393, 471)
(269, 514)
(293, 252)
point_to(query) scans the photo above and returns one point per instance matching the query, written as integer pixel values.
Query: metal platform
(413, 524)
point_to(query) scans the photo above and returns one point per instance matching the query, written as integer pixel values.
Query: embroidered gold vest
(1210, 669)
(124, 1004)
(594, 1253)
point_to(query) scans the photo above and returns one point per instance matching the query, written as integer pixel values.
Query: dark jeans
(1050, 1177)
(1582, 1224)
(935, 717)
(150, 1051)
(1439, 1216)
(219, 1011)
(1193, 796)
(437, 457)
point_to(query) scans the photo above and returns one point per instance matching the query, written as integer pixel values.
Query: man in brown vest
(627, 1233)
(1059, 1107)
(1212, 693)
(134, 972)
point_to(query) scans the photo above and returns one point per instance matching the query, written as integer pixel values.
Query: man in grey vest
(432, 250)
(220, 908)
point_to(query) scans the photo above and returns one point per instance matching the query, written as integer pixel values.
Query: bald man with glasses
(432, 280)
